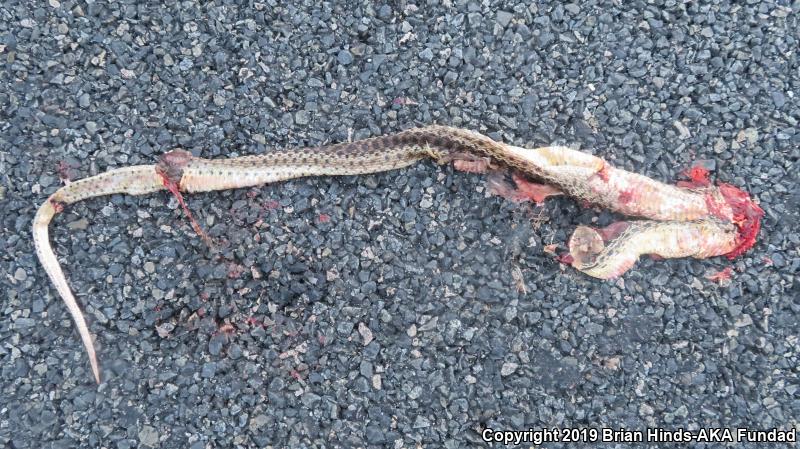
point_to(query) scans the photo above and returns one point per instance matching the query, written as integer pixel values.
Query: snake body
(702, 221)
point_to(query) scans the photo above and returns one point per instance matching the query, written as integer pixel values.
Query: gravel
(384, 310)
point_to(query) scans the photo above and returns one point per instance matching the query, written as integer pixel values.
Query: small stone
(91, 127)
(421, 422)
(84, 100)
(54, 3)
(149, 267)
(720, 145)
(344, 328)
(429, 324)
(215, 344)
(365, 333)
(748, 134)
(504, 18)
(708, 164)
(277, 384)
(384, 12)
(20, 274)
(426, 54)
(612, 363)
(78, 225)
(258, 422)
(302, 117)
(209, 370)
(344, 57)
(374, 435)
(412, 331)
(24, 322)
(778, 98)
(743, 321)
(163, 330)
(508, 368)
(682, 130)
(148, 436)
(219, 100)
(376, 381)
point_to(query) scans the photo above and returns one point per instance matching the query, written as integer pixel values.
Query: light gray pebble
(344, 57)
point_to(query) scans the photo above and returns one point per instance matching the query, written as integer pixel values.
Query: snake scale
(695, 220)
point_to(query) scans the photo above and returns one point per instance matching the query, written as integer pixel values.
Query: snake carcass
(694, 219)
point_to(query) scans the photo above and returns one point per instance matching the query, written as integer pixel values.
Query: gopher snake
(699, 220)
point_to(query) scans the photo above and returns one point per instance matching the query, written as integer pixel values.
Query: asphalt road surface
(402, 309)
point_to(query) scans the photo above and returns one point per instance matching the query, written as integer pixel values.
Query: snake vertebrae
(695, 219)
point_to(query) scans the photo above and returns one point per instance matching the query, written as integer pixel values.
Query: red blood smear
(698, 177)
(625, 197)
(533, 191)
(746, 216)
(235, 271)
(612, 231)
(324, 218)
(173, 187)
(59, 207)
(272, 204)
(566, 258)
(723, 275)
(253, 321)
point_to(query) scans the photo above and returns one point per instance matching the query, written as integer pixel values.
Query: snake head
(596, 252)
(584, 246)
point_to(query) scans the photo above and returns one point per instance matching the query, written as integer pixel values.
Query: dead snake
(698, 221)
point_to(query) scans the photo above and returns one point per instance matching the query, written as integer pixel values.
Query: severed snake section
(695, 219)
